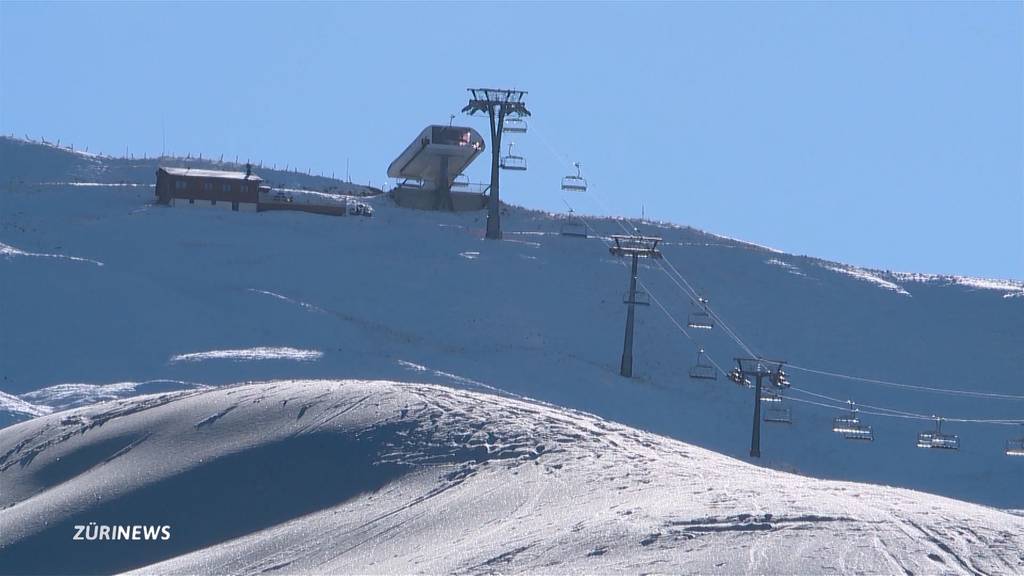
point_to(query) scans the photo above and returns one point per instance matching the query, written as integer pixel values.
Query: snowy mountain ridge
(385, 477)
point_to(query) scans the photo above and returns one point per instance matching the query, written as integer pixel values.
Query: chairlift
(460, 181)
(703, 370)
(860, 432)
(573, 226)
(700, 317)
(575, 183)
(847, 423)
(511, 161)
(740, 379)
(1015, 447)
(851, 427)
(778, 415)
(514, 124)
(936, 438)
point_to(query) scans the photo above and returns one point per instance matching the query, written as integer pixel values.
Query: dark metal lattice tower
(497, 104)
(760, 369)
(636, 247)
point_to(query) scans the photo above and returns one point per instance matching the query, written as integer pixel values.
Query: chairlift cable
(694, 296)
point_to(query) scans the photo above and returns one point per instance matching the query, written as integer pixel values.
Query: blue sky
(888, 135)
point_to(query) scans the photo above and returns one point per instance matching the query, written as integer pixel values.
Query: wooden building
(214, 188)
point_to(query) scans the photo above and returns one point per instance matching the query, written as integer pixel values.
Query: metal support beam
(443, 201)
(759, 369)
(493, 200)
(755, 433)
(497, 104)
(636, 247)
(626, 367)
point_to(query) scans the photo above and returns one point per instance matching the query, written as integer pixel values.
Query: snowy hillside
(380, 477)
(99, 288)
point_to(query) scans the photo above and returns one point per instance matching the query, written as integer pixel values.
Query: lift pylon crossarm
(640, 246)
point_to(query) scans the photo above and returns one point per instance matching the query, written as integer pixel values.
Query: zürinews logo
(93, 531)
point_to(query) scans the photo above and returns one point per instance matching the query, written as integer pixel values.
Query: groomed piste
(386, 477)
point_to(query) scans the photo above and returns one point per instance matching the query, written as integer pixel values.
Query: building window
(208, 186)
(244, 188)
(180, 185)
(227, 187)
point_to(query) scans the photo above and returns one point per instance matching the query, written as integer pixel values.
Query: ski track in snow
(9, 252)
(472, 483)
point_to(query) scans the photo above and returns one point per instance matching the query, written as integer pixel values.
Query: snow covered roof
(199, 173)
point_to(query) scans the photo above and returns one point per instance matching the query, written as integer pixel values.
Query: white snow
(868, 276)
(380, 477)
(15, 405)
(795, 270)
(8, 251)
(251, 354)
(1012, 288)
(72, 395)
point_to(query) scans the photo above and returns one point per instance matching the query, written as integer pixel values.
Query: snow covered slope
(99, 287)
(381, 477)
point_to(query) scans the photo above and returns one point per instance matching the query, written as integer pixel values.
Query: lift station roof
(421, 160)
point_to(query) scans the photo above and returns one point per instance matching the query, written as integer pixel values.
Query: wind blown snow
(251, 354)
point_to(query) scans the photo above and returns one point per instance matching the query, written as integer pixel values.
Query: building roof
(198, 173)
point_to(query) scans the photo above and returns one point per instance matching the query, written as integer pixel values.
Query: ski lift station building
(427, 170)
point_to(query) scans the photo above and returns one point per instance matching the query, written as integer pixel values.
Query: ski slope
(420, 296)
(385, 477)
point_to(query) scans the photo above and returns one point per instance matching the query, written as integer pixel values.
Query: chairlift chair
(848, 423)
(737, 376)
(937, 439)
(703, 370)
(512, 161)
(573, 226)
(575, 183)
(700, 318)
(460, 181)
(778, 415)
(1015, 447)
(859, 432)
(514, 124)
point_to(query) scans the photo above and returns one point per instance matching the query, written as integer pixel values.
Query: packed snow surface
(344, 477)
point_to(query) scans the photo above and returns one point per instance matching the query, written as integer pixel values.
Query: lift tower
(497, 104)
(637, 247)
(759, 369)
